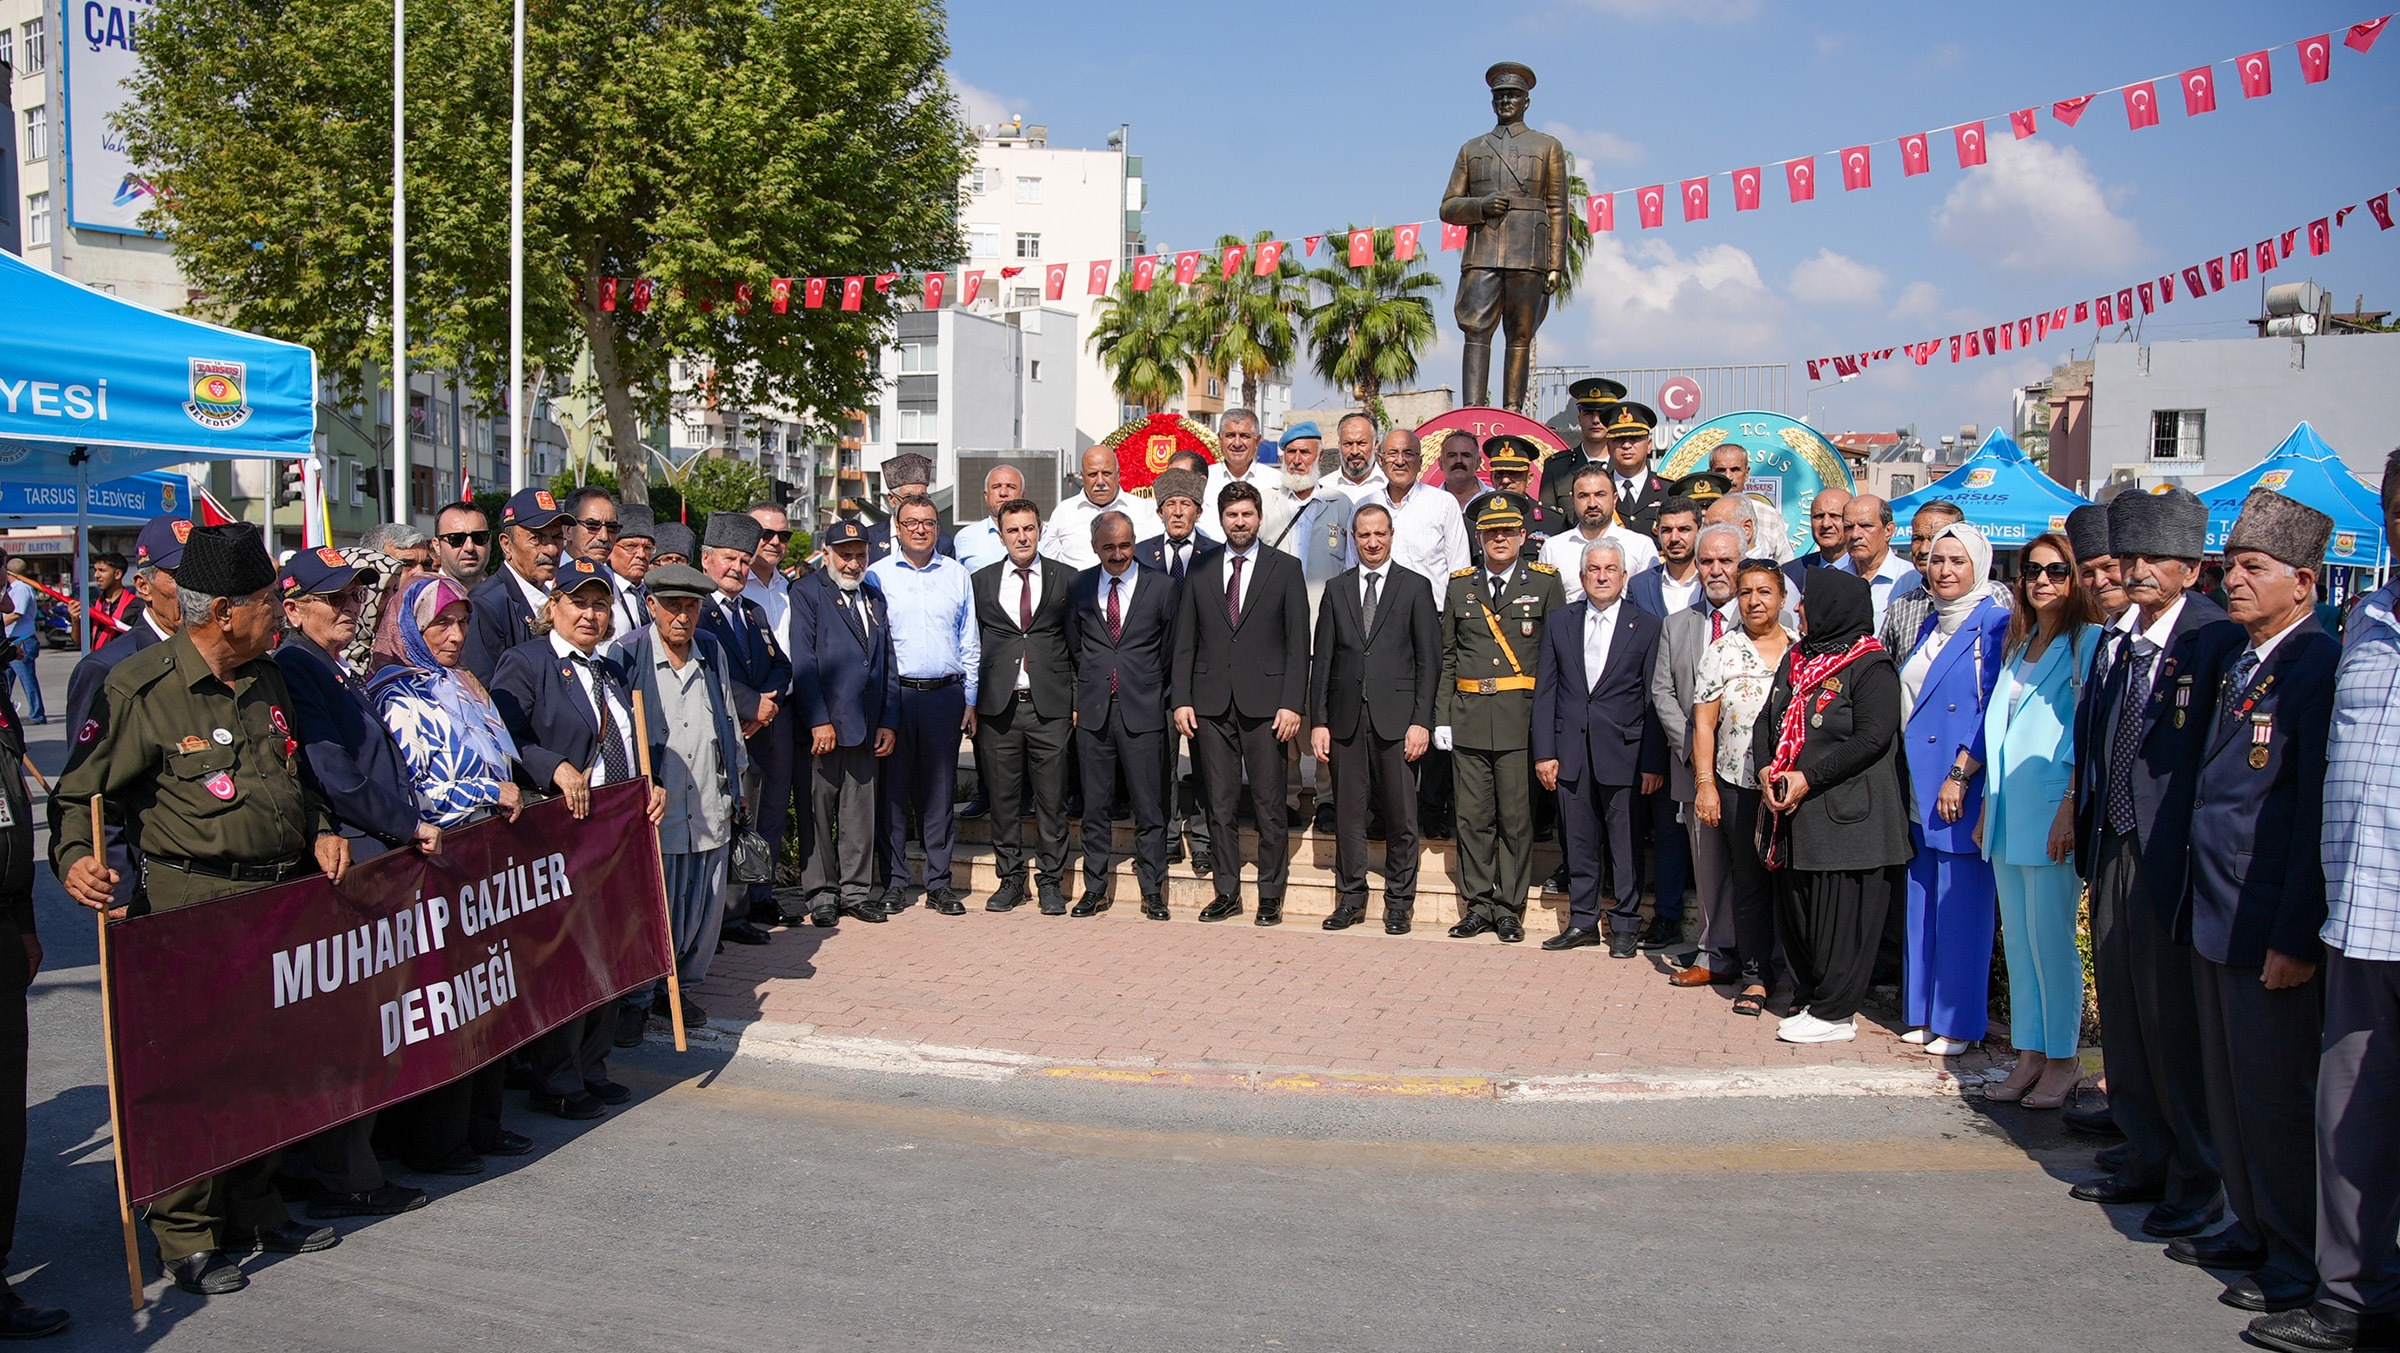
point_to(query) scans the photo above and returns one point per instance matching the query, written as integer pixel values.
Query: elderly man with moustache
(1867, 520)
(846, 692)
(592, 523)
(533, 533)
(629, 562)
(1685, 634)
(760, 663)
(1068, 537)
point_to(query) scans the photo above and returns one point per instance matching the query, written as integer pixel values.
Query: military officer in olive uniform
(1596, 399)
(1491, 643)
(1509, 189)
(1640, 491)
(191, 741)
(1511, 460)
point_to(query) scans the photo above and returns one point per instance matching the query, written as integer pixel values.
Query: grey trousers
(842, 867)
(2259, 1050)
(2358, 1138)
(2149, 1042)
(1712, 886)
(696, 897)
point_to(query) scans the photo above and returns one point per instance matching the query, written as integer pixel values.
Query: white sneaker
(1807, 1028)
(1946, 1047)
(1916, 1035)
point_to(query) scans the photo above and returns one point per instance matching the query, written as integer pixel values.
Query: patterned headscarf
(461, 697)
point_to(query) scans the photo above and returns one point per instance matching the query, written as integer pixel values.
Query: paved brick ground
(1179, 994)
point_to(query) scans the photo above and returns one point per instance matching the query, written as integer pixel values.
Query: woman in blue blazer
(2028, 825)
(1945, 682)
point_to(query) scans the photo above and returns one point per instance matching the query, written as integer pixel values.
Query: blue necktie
(2124, 743)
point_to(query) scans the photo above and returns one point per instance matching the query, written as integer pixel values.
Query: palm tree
(1374, 324)
(1147, 340)
(1248, 324)
(1579, 239)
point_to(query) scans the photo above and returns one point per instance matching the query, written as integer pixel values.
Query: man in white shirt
(1358, 471)
(1595, 520)
(1238, 462)
(1316, 514)
(1868, 520)
(1068, 537)
(978, 543)
(1429, 536)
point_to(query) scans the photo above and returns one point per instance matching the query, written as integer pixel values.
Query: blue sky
(1301, 117)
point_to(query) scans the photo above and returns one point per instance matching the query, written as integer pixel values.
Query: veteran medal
(2262, 728)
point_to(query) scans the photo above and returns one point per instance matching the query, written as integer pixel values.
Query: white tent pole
(79, 589)
(517, 411)
(400, 429)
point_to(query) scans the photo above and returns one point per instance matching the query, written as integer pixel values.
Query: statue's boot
(1516, 372)
(1475, 373)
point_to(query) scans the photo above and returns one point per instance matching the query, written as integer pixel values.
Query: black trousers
(1372, 775)
(1103, 751)
(14, 984)
(339, 1159)
(574, 1054)
(1595, 823)
(1013, 747)
(2150, 1042)
(2259, 1051)
(2358, 1140)
(1754, 920)
(923, 770)
(1832, 921)
(1226, 746)
(426, 1131)
(771, 753)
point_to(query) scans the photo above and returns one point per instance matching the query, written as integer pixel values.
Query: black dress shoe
(891, 901)
(1556, 883)
(1054, 902)
(284, 1238)
(630, 1021)
(207, 1274)
(1155, 909)
(2167, 1223)
(944, 902)
(694, 1013)
(2307, 1330)
(1007, 897)
(746, 933)
(506, 1143)
(2095, 1122)
(764, 914)
(1437, 830)
(459, 1164)
(1345, 917)
(1469, 928)
(1573, 937)
(1324, 822)
(1204, 863)
(2250, 1293)
(1221, 909)
(1624, 944)
(2222, 1250)
(975, 807)
(2112, 1189)
(20, 1319)
(1269, 913)
(384, 1200)
(607, 1091)
(1175, 848)
(865, 911)
(1397, 922)
(1509, 929)
(1091, 904)
(1663, 933)
(825, 914)
(575, 1108)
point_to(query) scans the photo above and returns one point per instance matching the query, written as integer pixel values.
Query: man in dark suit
(1371, 689)
(2137, 768)
(533, 533)
(1119, 628)
(1597, 742)
(1178, 494)
(1240, 682)
(20, 962)
(1026, 707)
(762, 681)
(2258, 900)
(1640, 493)
(846, 692)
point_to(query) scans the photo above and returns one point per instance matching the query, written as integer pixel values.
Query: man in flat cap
(2136, 761)
(905, 475)
(1509, 189)
(2258, 900)
(190, 741)
(761, 665)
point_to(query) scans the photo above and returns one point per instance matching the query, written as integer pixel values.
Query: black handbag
(750, 860)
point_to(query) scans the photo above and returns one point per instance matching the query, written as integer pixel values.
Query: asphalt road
(735, 1206)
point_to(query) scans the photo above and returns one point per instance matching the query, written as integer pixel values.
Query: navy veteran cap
(1511, 454)
(319, 572)
(161, 543)
(532, 509)
(1596, 392)
(844, 532)
(580, 573)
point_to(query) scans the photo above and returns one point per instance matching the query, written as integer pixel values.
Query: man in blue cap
(533, 532)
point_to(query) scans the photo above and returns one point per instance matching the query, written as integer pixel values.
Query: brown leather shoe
(1697, 976)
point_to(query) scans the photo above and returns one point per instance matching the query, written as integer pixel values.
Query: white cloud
(1595, 147)
(1828, 278)
(2036, 208)
(1647, 304)
(1918, 300)
(1698, 11)
(980, 106)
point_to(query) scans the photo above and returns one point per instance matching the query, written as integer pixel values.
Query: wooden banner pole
(641, 746)
(108, 1046)
(36, 772)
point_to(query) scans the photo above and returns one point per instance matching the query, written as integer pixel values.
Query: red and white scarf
(1808, 675)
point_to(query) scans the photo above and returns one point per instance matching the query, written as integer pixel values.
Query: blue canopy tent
(2001, 490)
(2306, 469)
(94, 389)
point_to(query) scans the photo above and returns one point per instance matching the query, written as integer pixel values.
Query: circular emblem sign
(1789, 461)
(1679, 399)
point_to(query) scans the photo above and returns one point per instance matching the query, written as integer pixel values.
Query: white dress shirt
(1599, 632)
(773, 594)
(1249, 573)
(1068, 537)
(1565, 553)
(536, 595)
(1176, 555)
(1021, 596)
(1126, 581)
(1273, 510)
(1383, 583)
(1429, 534)
(620, 718)
(1679, 596)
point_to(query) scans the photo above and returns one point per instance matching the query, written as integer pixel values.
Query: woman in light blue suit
(2028, 827)
(1945, 681)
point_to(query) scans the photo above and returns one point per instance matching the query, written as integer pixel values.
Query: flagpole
(399, 503)
(517, 412)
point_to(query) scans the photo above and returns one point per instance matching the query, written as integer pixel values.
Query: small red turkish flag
(1845, 366)
(1404, 240)
(1973, 348)
(2316, 58)
(641, 294)
(2083, 312)
(1235, 256)
(1145, 272)
(1651, 203)
(936, 285)
(2289, 237)
(608, 293)
(1695, 199)
(970, 286)
(2342, 215)
(2258, 75)
(2380, 207)
(2021, 122)
(2267, 257)
(2199, 91)
(1857, 171)
(1954, 342)
(1454, 236)
(1309, 243)
(1054, 282)
(1745, 189)
(1362, 249)
(1991, 342)
(741, 298)
(2141, 105)
(1187, 267)
(2008, 337)
(1813, 370)
(2041, 326)
(2216, 274)
(2320, 236)
(2149, 298)
(2194, 284)
(1913, 158)
(2068, 110)
(884, 280)
(2058, 318)
(1600, 212)
(781, 290)
(1096, 284)
(2107, 311)
(2166, 289)
(812, 294)
(1923, 352)
(2125, 303)
(1801, 177)
(854, 292)
(2025, 333)
(1970, 145)
(2361, 36)
(2237, 265)
(1270, 259)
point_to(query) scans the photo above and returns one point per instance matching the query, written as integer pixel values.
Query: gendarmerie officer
(1596, 400)
(1640, 492)
(191, 739)
(1511, 460)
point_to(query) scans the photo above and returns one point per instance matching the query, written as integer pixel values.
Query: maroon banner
(254, 1021)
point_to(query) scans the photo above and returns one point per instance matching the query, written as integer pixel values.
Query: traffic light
(293, 484)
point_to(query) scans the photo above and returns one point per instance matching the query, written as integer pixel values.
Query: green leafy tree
(1374, 325)
(1149, 340)
(709, 145)
(1249, 325)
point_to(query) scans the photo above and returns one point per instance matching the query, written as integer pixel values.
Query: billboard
(99, 47)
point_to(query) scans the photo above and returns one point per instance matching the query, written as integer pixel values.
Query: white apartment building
(969, 391)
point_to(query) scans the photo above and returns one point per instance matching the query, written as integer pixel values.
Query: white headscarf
(1949, 615)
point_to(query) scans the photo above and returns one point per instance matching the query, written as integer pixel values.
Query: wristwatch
(1958, 775)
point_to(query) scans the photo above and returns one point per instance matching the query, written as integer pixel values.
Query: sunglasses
(458, 540)
(778, 537)
(2055, 572)
(596, 526)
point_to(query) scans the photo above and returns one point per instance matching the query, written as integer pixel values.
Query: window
(979, 179)
(1216, 389)
(1024, 298)
(1029, 244)
(358, 492)
(1033, 369)
(1029, 191)
(37, 218)
(8, 47)
(36, 50)
(917, 355)
(37, 133)
(983, 241)
(916, 425)
(420, 415)
(1902, 484)
(2178, 434)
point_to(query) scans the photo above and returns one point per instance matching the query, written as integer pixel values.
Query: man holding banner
(191, 740)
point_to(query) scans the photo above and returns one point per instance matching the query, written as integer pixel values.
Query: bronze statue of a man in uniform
(1509, 189)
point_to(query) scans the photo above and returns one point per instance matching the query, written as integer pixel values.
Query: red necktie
(1716, 626)
(1116, 626)
(1233, 595)
(1025, 598)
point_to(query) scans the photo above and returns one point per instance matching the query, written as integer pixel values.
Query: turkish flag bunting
(970, 286)
(1923, 352)
(1187, 267)
(1845, 366)
(2041, 326)
(1145, 272)
(936, 283)
(2166, 289)
(2141, 105)
(2124, 303)
(2107, 313)
(2342, 215)
(1404, 240)
(1812, 369)
(812, 293)
(2149, 298)
(1600, 213)
(2058, 318)
(1098, 283)
(1801, 177)
(2267, 257)
(2216, 274)
(1991, 339)
(2380, 206)
(2258, 75)
(1362, 248)
(641, 294)
(1651, 202)
(2362, 35)
(1453, 236)
(2008, 337)
(1695, 199)
(2199, 91)
(1235, 256)
(781, 290)
(1309, 243)
(1857, 171)
(2238, 265)
(2194, 284)
(2290, 237)
(854, 292)
(2316, 58)
(741, 298)
(1913, 159)
(2025, 333)
(2320, 236)
(1270, 259)
(1006, 273)
(2021, 122)
(1745, 189)
(2083, 312)
(2067, 110)
(1954, 341)
(1054, 282)
(1970, 144)
(1972, 349)
(608, 293)
(884, 280)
